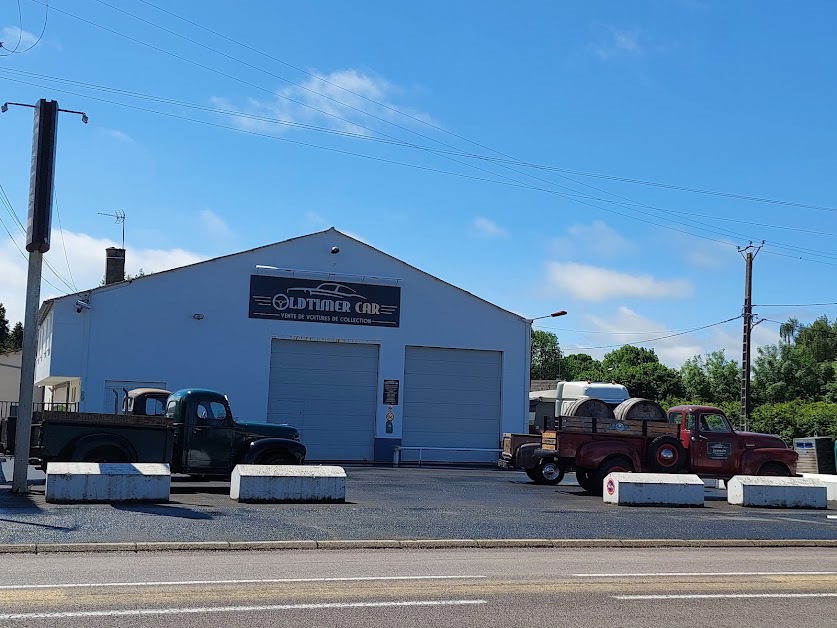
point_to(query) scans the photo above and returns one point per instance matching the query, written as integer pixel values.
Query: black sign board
(313, 301)
(41, 176)
(719, 451)
(391, 392)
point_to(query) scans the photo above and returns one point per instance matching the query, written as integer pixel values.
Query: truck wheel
(586, 479)
(611, 465)
(276, 457)
(666, 455)
(106, 454)
(774, 468)
(547, 472)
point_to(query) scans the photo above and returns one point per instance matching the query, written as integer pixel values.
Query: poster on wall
(312, 301)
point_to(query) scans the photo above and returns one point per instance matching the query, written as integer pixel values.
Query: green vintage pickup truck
(195, 433)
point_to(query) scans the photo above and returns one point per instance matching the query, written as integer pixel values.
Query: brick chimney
(114, 265)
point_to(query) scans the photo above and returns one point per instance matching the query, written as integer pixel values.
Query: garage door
(451, 399)
(328, 390)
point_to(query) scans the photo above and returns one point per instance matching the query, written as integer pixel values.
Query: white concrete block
(830, 482)
(711, 483)
(776, 492)
(653, 489)
(70, 482)
(287, 483)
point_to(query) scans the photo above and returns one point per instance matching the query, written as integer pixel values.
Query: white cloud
(611, 42)
(315, 220)
(577, 241)
(10, 34)
(324, 102)
(119, 136)
(86, 256)
(709, 255)
(486, 228)
(591, 283)
(214, 224)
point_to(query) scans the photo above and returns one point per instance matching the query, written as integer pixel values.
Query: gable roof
(46, 305)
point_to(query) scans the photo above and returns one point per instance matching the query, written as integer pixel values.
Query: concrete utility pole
(749, 253)
(41, 180)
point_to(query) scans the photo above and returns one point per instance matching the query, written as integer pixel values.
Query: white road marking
(234, 609)
(722, 596)
(84, 585)
(702, 574)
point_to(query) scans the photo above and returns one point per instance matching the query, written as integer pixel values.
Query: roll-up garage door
(328, 390)
(451, 399)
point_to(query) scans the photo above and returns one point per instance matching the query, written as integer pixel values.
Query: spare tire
(637, 409)
(666, 454)
(589, 407)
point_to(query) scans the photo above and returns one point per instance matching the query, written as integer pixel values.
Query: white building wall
(145, 330)
(10, 376)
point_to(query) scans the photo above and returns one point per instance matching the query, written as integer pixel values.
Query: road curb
(406, 544)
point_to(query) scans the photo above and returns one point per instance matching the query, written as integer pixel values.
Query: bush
(796, 419)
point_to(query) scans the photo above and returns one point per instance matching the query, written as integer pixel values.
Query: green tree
(16, 337)
(546, 355)
(4, 329)
(640, 371)
(580, 366)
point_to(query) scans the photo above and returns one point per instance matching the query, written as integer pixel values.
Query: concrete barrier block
(653, 489)
(830, 482)
(288, 483)
(91, 482)
(776, 492)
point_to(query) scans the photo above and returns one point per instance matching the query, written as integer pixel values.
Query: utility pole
(749, 253)
(41, 180)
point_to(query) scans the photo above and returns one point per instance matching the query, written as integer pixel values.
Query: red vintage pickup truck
(694, 439)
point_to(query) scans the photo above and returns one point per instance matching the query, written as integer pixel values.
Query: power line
(513, 161)
(273, 93)
(15, 51)
(791, 304)
(708, 228)
(682, 333)
(63, 243)
(510, 182)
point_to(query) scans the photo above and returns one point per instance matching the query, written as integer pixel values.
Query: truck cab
(210, 441)
(715, 449)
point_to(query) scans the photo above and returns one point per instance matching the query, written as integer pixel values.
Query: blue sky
(458, 137)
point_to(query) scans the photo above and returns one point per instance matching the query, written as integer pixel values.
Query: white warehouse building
(359, 350)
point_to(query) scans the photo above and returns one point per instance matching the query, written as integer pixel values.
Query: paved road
(584, 588)
(404, 503)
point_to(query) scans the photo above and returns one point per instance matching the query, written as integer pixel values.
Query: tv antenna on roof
(119, 215)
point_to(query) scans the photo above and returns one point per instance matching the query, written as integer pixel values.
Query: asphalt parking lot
(400, 503)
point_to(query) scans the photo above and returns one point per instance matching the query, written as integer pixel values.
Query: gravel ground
(403, 503)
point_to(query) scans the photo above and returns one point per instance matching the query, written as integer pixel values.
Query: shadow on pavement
(16, 501)
(163, 510)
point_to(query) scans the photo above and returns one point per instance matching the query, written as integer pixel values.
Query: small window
(675, 417)
(171, 408)
(690, 421)
(153, 407)
(210, 412)
(714, 422)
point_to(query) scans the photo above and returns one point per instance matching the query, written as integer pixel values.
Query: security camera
(82, 305)
(335, 250)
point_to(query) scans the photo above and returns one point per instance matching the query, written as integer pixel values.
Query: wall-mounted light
(197, 317)
(81, 304)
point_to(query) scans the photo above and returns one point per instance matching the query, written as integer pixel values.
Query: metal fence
(9, 408)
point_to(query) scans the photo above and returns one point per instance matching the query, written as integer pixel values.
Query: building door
(451, 399)
(328, 391)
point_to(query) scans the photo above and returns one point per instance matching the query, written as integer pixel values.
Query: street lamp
(553, 315)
